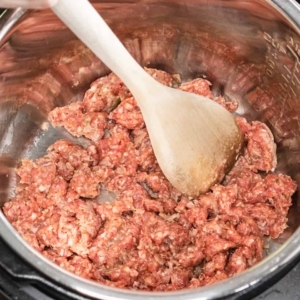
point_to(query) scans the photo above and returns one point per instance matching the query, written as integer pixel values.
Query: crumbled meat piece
(206, 280)
(76, 264)
(114, 241)
(37, 176)
(231, 106)
(60, 115)
(57, 191)
(147, 160)
(192, 254)
(85, 183)
(74, 154)
(128, 114)
(115, 147)
(201, 87)
(148, 236)
(261, 148)
(157, 186)
(266, 200)
(105, 94)
(217, 263)
(78, 122)
(164, 77)
(92, 126)
(198, 86)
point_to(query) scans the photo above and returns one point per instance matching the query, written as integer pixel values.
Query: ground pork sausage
(150, 237)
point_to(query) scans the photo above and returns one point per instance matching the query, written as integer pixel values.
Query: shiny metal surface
(249, 49)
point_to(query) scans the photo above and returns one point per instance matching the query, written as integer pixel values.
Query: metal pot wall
(248, 49)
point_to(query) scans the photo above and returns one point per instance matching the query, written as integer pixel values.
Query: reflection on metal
(8, 19)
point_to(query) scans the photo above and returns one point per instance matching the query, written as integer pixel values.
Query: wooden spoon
(195, 140)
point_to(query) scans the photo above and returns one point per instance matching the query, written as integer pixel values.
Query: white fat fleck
(33, 216)
(103, 235)
(159, 234)
(42, 188)
(239, 261)
(45, 126)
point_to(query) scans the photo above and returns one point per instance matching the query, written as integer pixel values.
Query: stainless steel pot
(249, 49)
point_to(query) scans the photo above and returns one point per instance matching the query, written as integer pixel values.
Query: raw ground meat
(150, 237)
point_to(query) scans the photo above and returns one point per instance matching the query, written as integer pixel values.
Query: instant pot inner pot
(247, 49)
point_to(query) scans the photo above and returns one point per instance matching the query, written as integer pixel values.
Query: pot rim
(256, 275)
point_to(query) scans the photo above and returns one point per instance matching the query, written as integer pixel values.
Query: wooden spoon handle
(89, 27)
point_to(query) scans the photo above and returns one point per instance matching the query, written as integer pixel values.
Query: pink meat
(198, 86)
(128, 114)
(105, 94)
(164, 77)
(79, 122)
(148, 236)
